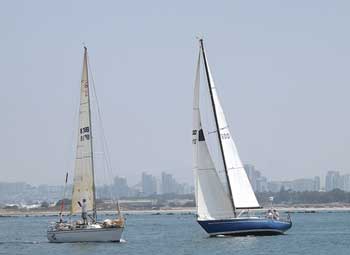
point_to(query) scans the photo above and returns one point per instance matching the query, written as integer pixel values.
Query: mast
(94, 214)
(217, 124)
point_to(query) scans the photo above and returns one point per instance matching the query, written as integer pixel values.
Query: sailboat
(91, 230)
(224, 197)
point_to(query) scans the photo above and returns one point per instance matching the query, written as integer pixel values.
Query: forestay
(242, 192)
(212, 200)
(83, 184)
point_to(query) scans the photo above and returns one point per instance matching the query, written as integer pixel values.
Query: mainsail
(83, 183)
(211, 195)
(211, 198)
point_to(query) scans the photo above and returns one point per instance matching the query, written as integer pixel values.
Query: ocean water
(146, 234)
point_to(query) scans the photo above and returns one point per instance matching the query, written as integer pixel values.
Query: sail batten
(83, 183)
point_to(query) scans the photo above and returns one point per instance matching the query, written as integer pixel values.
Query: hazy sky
(281, 68)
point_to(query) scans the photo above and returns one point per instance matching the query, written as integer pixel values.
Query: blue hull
(245, 226)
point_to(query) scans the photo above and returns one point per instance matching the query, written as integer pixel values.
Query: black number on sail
(84, 130)
(225, 136)
(85, 137)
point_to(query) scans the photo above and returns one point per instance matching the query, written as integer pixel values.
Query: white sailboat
(84, 184)
(222, 197)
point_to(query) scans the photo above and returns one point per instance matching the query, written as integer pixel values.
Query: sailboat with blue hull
(224, 196)
(245, 226)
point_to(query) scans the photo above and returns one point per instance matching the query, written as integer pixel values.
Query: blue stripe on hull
(245, 226)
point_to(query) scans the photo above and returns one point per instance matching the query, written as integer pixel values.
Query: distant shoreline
(289, 209)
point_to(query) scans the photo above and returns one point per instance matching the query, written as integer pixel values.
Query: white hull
(85, 235)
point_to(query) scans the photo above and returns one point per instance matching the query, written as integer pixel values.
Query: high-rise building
(346, 182)
(169, 184)
(261, 184)
(149, 184)
(258, 182)
(120, 187)
(317, 183)
(333, 180)
(187, 189)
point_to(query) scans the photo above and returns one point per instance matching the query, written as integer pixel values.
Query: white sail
(242, 191)
(83, 183)
(212, 200)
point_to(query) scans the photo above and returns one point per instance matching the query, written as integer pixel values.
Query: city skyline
(155, 181)
(189, 181)
(165, 184)
(148, 185)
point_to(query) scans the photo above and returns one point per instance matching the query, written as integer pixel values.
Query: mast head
(200, 39)
(84, 45)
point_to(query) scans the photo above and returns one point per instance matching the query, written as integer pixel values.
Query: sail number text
(225, 136)
(85, 133)
(194, 133)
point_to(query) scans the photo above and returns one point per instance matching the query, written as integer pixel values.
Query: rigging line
(106, 163)
(100, 123)
(104, 142)
(72, 140)
(107, 166)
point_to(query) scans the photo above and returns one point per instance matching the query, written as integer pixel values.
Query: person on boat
(276, 215)
(83, 211)
(269, 214)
